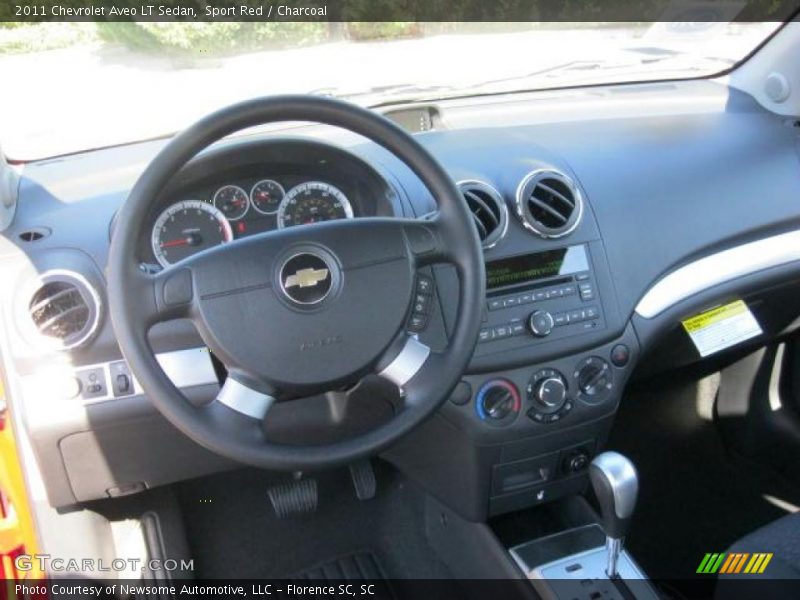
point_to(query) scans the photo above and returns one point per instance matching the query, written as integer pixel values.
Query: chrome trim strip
(185, 368)
(408, 363)
(718, 268)
(244, 399)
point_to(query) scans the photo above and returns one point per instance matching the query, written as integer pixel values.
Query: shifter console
(574, 563)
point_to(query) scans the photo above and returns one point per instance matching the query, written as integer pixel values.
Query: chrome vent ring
(549, 203)
(64, 309)
(489, 211)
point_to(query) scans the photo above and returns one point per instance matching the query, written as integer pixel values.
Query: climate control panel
(561, 393)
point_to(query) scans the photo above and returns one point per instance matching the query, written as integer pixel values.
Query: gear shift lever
(616, 486)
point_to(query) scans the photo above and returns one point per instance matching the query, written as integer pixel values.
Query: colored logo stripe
(735, 562)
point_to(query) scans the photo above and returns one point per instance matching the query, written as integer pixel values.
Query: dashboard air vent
(549, 203)
(64, 309)
(488, 209)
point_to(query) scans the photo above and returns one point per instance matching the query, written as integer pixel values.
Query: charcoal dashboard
(581, 219)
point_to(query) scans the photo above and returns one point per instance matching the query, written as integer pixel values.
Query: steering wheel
(303, 310)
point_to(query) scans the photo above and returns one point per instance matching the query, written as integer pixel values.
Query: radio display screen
(529, 268)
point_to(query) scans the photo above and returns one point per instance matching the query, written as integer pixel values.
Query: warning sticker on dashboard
(722, 327)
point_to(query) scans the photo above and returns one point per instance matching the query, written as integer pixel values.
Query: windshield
(88, 85)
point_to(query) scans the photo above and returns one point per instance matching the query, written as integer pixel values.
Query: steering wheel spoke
(165, 296)
(243, 399)
(406, 363)
(426, 241)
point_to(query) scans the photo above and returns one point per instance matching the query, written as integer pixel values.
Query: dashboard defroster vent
(64, 309)
(549, 203)
(489, 211)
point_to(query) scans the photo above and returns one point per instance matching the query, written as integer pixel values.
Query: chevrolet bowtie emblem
(306, 278)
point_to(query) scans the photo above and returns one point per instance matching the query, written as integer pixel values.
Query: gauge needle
(173, 243)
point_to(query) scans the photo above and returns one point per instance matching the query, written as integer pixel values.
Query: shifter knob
(616, 486)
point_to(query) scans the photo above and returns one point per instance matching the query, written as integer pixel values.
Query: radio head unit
(550, 294)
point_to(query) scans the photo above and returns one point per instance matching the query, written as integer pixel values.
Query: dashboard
(308, 184)
(587, 202)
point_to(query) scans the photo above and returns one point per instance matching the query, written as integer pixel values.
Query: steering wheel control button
(595, 379)
(423, 303)
(620, 355)
(498, 402)
(307, 278)
(462, 394)
(541, 323)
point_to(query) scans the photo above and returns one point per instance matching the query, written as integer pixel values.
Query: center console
(552, 358)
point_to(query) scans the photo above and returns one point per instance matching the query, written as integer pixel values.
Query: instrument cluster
(219, 214)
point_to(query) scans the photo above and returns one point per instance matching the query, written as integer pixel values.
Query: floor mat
(233, 531)
(694, 497)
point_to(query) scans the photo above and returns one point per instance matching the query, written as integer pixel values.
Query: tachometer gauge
(233, 201)
(266, 196)
(313, 202)
(187, 227)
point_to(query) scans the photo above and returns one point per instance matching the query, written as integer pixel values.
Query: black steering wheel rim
(134, 298)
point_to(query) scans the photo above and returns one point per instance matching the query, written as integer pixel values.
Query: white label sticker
(722, 327)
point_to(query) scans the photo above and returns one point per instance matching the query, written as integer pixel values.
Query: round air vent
(64, 309)
(489, 212)
(549, 204)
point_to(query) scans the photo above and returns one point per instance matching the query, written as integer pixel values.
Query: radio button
(587, 291)
(576, 315)
(517, 328)
(526, 298)
(591, 312)
(541, 323)
(486, 335)
(495, 304)
(561, 319)
(539, 296)
(512, 301)
(502, 331)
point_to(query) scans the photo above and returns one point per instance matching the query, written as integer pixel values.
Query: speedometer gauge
(186, 228)
(233, 201)
(313, 202)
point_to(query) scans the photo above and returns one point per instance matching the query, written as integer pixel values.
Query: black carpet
(694, 497)
(234, 533)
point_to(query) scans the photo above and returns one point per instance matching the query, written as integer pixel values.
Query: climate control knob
(547, 389)
(551, 392)
(541, 323)
(595, 379)
(498, 402)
